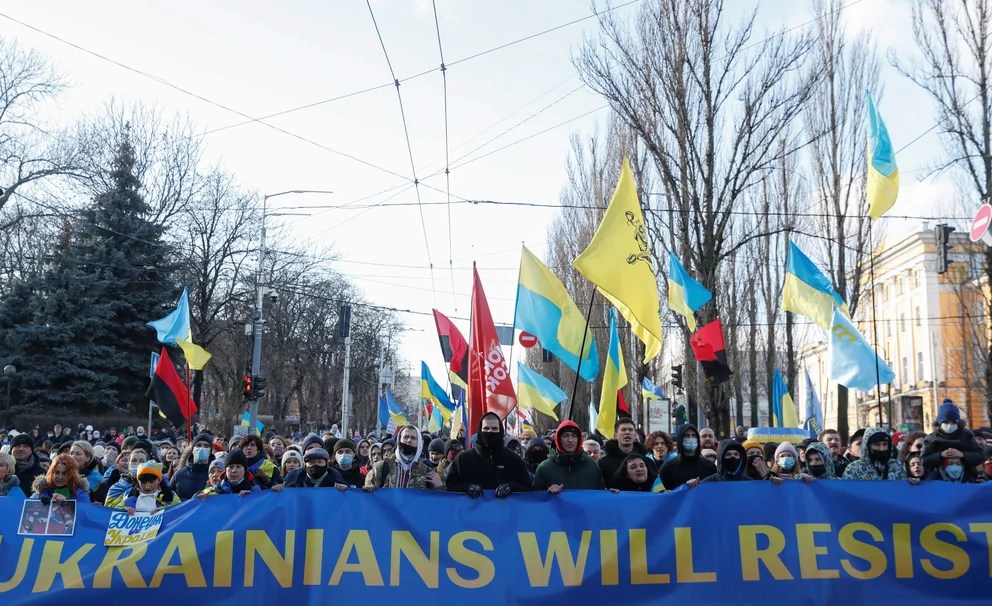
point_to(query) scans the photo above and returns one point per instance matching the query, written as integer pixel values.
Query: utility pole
(258, 322)
(344, 329)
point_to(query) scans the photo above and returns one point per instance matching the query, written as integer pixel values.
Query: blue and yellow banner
(834, 542)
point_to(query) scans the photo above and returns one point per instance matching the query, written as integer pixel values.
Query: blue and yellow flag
(431, 391)
(614, 379)
(175, 328)
(883, 174)
(853, 362)
(396, 414)
(546, 310)
(783, 408)
(537, 392)
(808, 291)
(650, 391)
(246, 422)
(619, 262)
(685, 295)
(814, 412)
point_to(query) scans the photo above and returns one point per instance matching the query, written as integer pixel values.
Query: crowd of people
(132, 471)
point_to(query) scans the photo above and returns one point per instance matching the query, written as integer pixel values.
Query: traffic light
(259, 385)
(344, 320)
(246, 387)
(943, 234)
(677, 376)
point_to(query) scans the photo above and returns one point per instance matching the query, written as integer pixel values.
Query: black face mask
(876, 456)
(408, 449)
(751, 459)
(491, 439)
(817, 470)
(733, 466)
(316, 471)
(537, 456)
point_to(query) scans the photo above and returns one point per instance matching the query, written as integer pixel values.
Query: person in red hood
(568, 466)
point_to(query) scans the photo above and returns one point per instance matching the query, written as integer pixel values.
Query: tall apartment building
(931, 328)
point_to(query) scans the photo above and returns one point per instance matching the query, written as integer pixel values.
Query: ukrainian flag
(431, 391)
(808, 292)
(614, 378)
(545, 310)
(783, 408)
(537, 392)
(650, 391)
(685, 295)
(619, 262)
(883, 174)
(396, 414)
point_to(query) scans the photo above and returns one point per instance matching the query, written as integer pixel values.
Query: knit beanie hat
(150, 468)
(749, 444)
(317, 453)
(345, 443)
(128, 442)
(786, 448)
(203, 437)
(236, 457)
(22, 439)
(292, 454)
(436, 445)
(948, 412)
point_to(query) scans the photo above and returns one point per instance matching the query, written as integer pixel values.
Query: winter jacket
(610, 462)
(963, 440)
(352, 476)
(164, 498)
(31, 470)
(226, 487)
(11, 487)
(190, 479)
(41, 490)
(384, 475)
(265, 472)
(866, 469)
(686, 466)
(332, 477)
(110, 477)
(488, 467)
(728, 475)
(573, 470)
(621, 480)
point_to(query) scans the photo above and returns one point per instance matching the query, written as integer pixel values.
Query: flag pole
(874, 325)
(582, 349)
(189, 407)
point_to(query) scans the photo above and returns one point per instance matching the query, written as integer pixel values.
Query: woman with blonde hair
(10, 484)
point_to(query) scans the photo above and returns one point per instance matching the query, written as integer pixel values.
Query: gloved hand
(503, 491)
(474, 491)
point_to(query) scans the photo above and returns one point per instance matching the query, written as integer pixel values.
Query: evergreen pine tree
(110, 276)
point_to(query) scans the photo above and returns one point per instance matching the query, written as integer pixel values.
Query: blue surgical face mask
(948, 427)
(134, 471)
(344, 460)
(786, 463)
(954, 471)
(690, 444)
(201, 455)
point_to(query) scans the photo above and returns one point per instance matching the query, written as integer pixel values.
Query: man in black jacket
(489, 465)
(688, 465)
(27, 464)
(731, 462)
(191, 477)
(617, 449)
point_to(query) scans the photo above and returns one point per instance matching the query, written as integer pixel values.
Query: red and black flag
(454, 347)
(169, 393)
(622, 409)
(708, 346)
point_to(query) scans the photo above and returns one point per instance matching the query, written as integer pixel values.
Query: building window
(919, 365)
(919, 318)
(914, 279)
(902, 322)
(905, 369)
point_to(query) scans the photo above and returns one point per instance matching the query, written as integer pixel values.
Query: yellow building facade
(931, 328)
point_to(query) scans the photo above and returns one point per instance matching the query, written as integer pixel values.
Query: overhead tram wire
(409, 147)
(447, 163)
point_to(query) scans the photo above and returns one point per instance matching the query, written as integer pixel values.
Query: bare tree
(954, 39)
(29, 150)
(711, 105)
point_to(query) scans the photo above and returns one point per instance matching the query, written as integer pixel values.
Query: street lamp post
(260, 291)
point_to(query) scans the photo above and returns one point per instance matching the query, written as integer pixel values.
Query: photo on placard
(62, 519)
(34, 518)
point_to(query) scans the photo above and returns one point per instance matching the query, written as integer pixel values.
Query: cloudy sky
(510, 113)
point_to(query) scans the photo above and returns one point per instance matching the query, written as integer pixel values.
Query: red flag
(708, 346)
(169, 393)
(489, 387)
(454, 348)
(622, 405)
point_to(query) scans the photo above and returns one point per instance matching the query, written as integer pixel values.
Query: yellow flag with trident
(618, 261)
